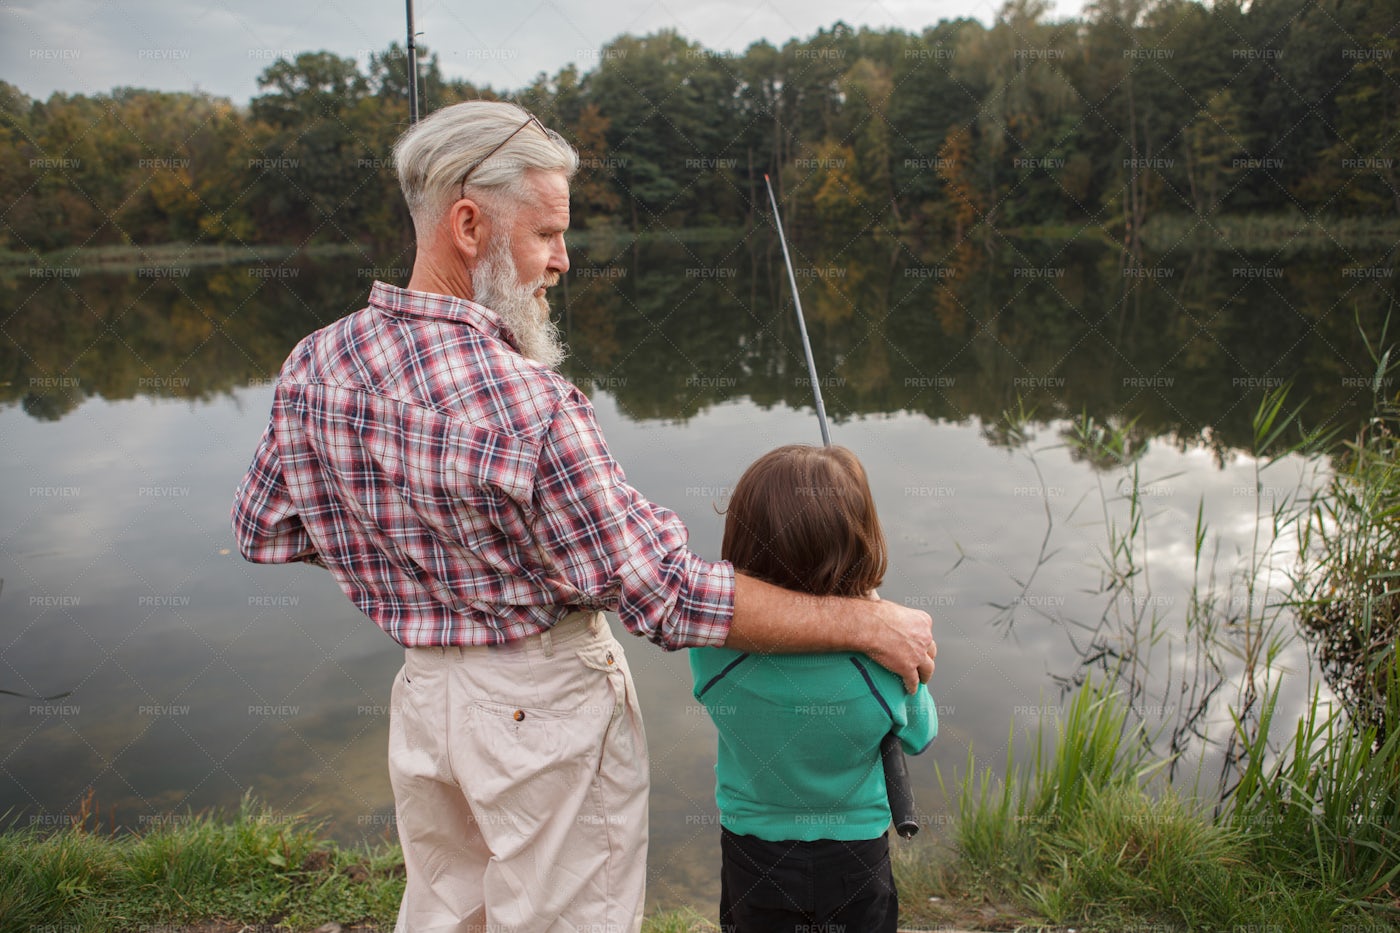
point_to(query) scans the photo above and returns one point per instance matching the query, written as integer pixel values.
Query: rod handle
(906, 821)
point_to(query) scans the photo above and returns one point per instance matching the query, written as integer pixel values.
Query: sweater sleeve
(920, 724)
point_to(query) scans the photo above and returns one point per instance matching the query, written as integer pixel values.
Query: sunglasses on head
(530, 119)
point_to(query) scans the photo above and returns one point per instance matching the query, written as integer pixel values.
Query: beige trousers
(520, 785)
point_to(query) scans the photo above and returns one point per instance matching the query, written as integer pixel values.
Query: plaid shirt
(460, 493)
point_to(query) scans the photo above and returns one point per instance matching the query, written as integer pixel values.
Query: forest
(1137, 111)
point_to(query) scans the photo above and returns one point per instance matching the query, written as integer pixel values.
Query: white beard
(496, 285)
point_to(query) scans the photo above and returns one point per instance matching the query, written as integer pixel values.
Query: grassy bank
(1280, 233)
(1076, 837)
(164, 255)
(1100, 830)
(253, 867)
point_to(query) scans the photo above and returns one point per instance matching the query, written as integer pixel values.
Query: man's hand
(902, 641)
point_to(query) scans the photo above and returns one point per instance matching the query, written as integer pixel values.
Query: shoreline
(136, 257)
(219, 872)
(1163, 234)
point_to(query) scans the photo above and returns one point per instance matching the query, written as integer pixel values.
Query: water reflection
(1184, 344)
(133, 402)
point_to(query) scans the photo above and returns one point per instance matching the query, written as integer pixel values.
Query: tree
(672, 133)
(839, 197)
(313, 86)
(592, 193)
(1211, 145)
(927, 100)
(388, 78)
(315, 158)
(955, 167)
(17, 170)
(867, 87)
(1368, 120)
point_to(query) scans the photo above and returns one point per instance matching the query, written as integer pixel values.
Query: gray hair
(435, 154)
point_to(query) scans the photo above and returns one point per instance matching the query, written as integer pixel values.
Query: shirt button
(610, 657)
(519, 715)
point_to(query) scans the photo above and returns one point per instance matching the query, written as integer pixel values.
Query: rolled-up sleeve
(920, 725)
(619, 550)
(265, 521)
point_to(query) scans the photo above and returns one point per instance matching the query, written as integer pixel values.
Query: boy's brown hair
(802, 517)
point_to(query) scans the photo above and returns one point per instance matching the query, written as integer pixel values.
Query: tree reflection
(1181, 345)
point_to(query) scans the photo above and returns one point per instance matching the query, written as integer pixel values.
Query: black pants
(826, 886)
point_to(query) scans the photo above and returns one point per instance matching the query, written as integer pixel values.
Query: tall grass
(1349, 583)
(1076, 837)
(1222, 643)
(1308, 842)
(1302, 836)
(1327, 810)
(1002, 820)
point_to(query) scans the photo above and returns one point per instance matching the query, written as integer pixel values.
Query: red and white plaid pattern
(460, 493)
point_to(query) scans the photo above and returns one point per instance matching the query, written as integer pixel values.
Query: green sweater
(799, 740)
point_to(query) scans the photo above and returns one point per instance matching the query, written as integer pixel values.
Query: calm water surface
(133, 401)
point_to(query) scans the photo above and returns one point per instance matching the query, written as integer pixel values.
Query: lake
(133, 400)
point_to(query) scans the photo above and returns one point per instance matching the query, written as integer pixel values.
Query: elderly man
(461, 493)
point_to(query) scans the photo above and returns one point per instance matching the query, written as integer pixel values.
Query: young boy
(799, 780)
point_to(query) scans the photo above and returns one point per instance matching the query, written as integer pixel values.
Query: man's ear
(468, 227)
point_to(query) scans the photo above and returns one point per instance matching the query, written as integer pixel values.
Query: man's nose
(559, 257)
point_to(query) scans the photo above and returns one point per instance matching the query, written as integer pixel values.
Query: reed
(1303, 834)
(1348, 585)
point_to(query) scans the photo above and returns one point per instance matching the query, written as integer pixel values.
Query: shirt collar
(401, 302)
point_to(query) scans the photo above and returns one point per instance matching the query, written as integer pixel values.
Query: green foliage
(677, 921)
(65, 875)
(1326, 811)
(1306, 836)
(1078, 839)
(253, 865)
(1153, 859)
(1349, 583)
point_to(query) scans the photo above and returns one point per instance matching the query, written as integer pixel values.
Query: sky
(221, 46)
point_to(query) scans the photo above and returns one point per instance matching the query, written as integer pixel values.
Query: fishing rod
(412, 68)
(801, 321)
(897, 788)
